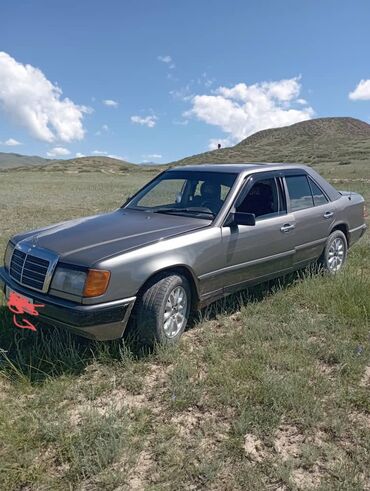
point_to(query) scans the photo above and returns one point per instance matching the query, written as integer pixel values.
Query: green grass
(268, 389)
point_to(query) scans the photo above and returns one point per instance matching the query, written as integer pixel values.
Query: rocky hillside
(318, 141)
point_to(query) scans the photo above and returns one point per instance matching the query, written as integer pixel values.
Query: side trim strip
(247, 264)
(310, 244)
(358, 228)
(257, 279)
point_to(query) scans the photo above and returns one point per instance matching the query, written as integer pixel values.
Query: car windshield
(196, 193)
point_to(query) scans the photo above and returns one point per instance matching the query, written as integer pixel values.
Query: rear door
(313, 215)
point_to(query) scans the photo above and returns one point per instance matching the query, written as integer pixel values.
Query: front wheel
(335, 252)
(163, 309)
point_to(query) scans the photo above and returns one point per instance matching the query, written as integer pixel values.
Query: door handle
(287, 227)
(328, 214)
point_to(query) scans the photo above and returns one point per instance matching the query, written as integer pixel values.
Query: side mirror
(240, 218)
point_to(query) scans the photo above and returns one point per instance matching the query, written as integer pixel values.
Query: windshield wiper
(185, 210)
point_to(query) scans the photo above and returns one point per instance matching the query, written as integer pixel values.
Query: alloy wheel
(174, 316)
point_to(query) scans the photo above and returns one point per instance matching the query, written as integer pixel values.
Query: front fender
(197, 252)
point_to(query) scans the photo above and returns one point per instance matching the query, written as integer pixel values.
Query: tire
(335, 253)
(163, 309)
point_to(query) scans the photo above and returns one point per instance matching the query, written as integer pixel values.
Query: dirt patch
(115, 401)
(307, 479)
(154, 383)
(365, 380)
(139, 474)
(236, 317)
(254, 448)
(156, 377)
(325, 369)
(4, 389)
(288, 441)
(362, 419)
(212, 425)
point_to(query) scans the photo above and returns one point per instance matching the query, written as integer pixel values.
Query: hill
(11, 160)
(106, 165)
(338, 140)
(317, 142)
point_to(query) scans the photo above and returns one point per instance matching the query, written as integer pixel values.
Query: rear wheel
(163, 308)
(335, 252)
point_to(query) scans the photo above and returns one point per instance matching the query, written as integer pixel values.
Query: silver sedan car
(190, 236)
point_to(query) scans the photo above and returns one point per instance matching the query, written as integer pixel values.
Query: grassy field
(268, 390)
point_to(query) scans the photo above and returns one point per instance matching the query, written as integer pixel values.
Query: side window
(319, 197)
(299, 192)
(264, 199)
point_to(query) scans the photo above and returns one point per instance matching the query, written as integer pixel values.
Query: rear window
(299, 192)
(319, 197)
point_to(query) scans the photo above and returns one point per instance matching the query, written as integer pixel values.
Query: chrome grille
(28, 269)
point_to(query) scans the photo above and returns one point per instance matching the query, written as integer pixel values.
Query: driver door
(257, 253)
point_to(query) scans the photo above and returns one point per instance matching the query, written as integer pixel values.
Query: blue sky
(180, 76)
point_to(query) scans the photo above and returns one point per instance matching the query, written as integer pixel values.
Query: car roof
(260, 167)
(239, 168)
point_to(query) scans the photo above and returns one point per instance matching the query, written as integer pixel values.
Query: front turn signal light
(366, 214)
(96, 282)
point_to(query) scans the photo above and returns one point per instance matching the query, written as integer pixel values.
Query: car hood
(88, 240)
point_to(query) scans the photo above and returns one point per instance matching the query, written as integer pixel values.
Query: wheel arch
(343, 227)
(181, 269)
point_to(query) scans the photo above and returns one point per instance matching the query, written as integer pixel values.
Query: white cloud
(205, 80)
(58, 152)
(32, 101)
(165, 59)
(104, 129)
(99, 152)
(168, 61)
(149, 121)
(79, 155)
(208, 82)
(185, 122)
(242, 110)
(183, 93)
(361, 92)
(110, 103)
(11, 142)
(117, 157)
(153, 156)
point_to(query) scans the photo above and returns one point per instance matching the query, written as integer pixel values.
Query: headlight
(69, 280)
(90, 283)
(8, 255)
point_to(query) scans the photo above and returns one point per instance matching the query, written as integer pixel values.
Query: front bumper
(102, 322)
